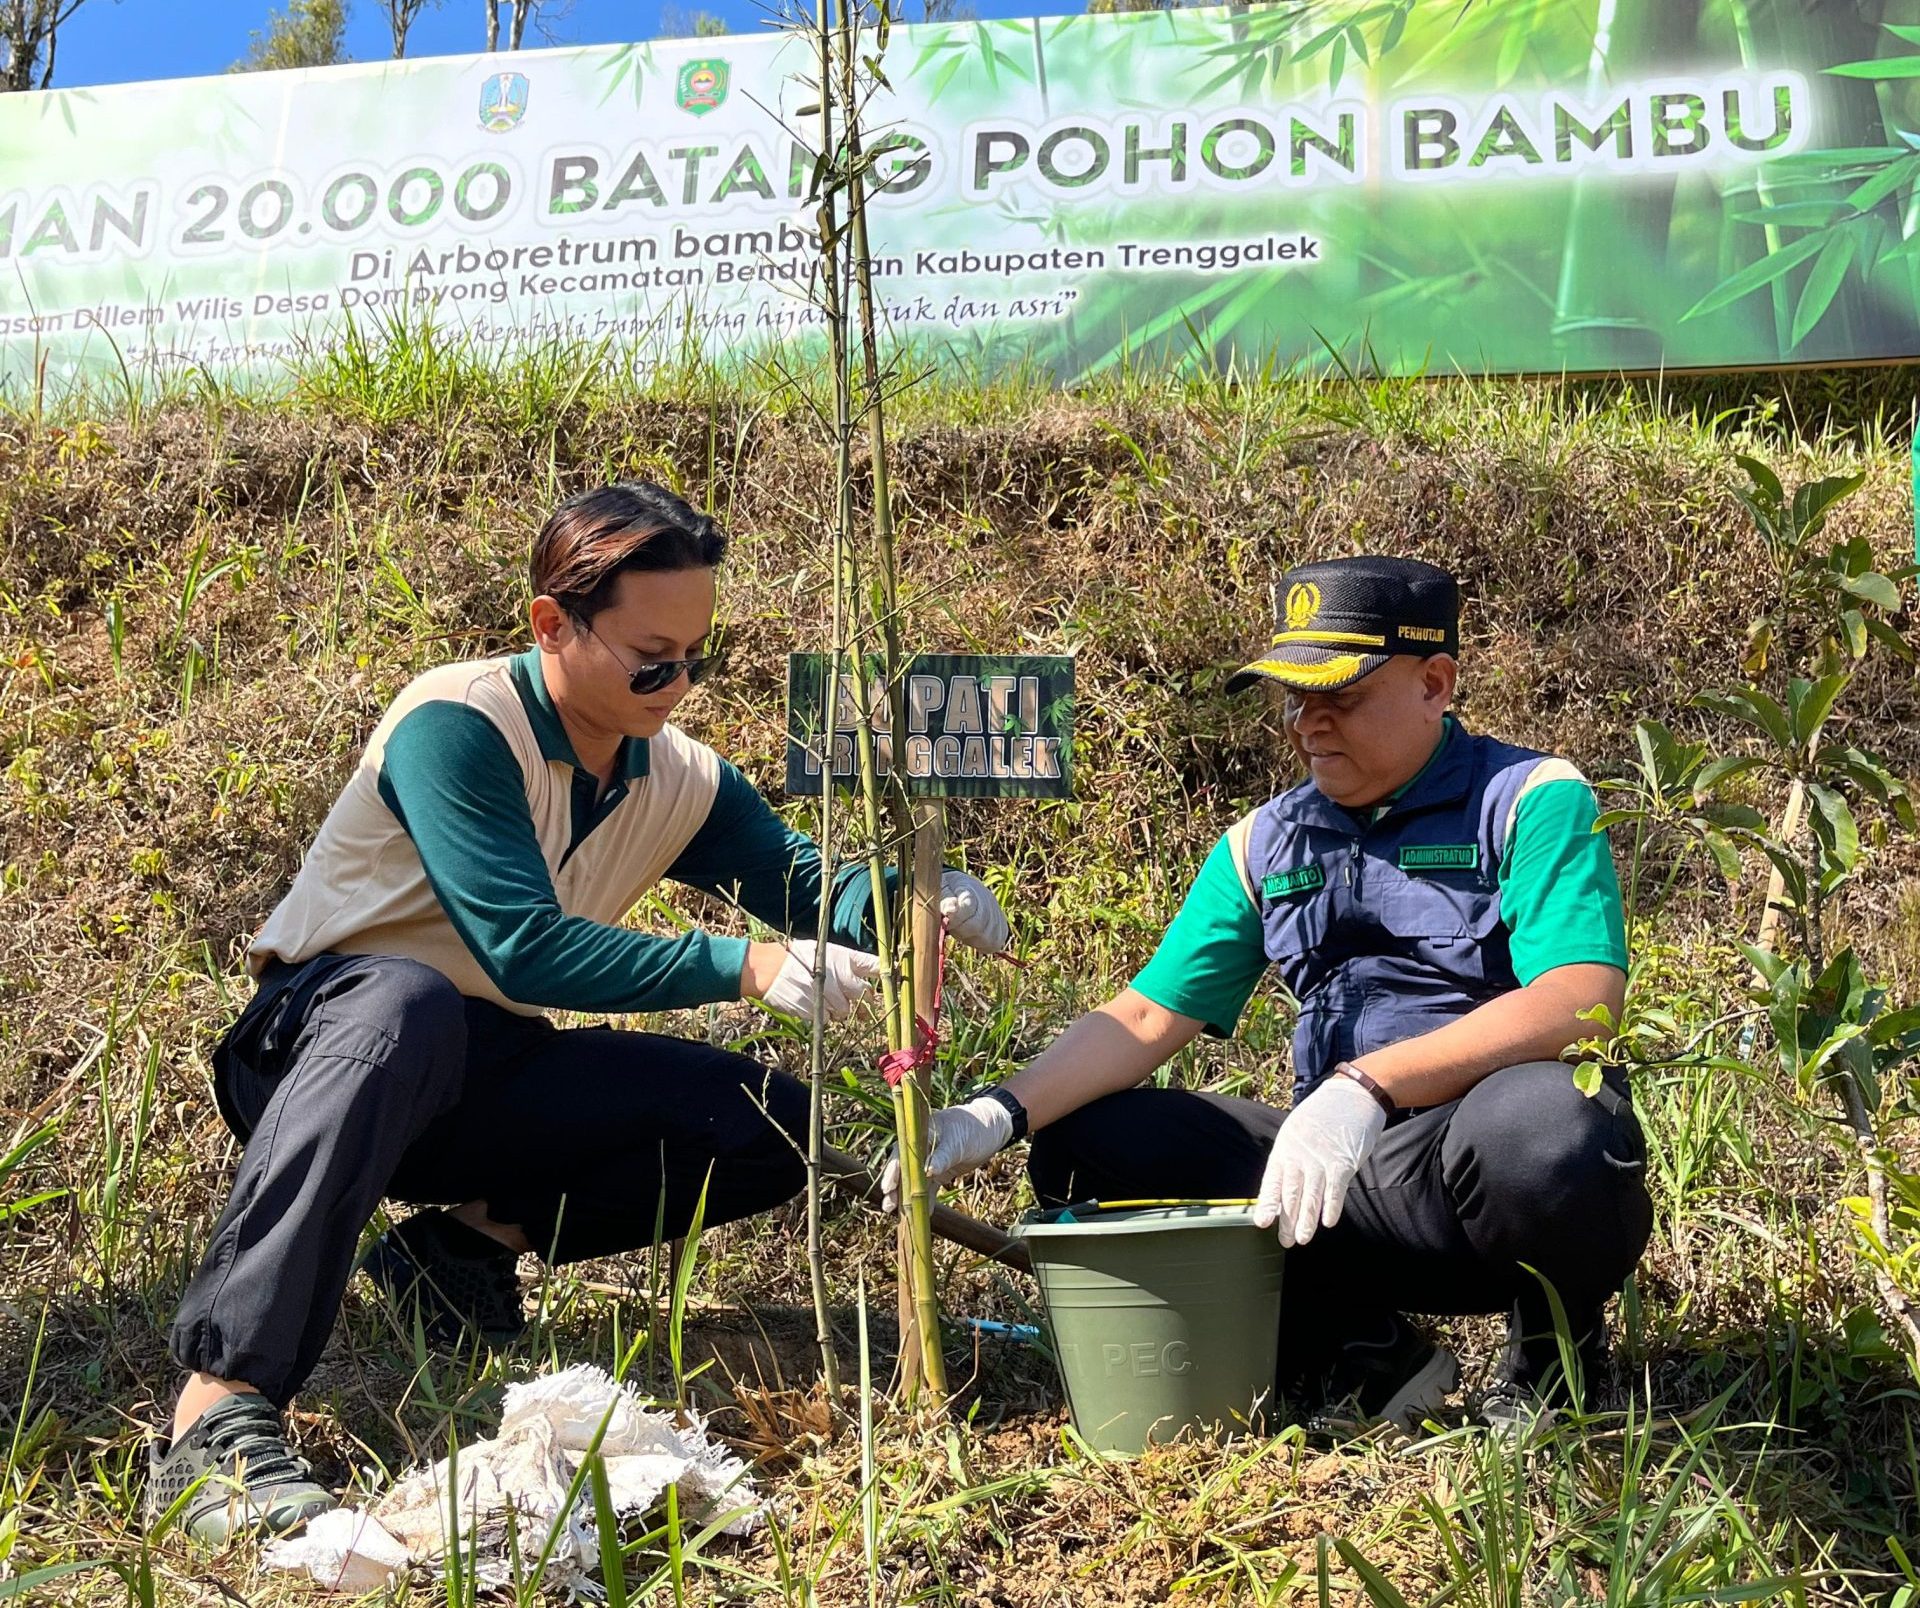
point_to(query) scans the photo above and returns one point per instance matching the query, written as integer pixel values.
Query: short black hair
(596, 536)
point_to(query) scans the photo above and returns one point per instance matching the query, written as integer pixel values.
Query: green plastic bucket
(1165, 1316)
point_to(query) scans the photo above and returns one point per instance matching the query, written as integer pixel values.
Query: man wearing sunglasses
(504, 817)
(1447, 917)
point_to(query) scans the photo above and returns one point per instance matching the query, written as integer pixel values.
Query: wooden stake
(921, 1364)
(1770, 913)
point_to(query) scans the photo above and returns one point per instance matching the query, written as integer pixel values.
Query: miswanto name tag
(1302, 879)
(1440, 857)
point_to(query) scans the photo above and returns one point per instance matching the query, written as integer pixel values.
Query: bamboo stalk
(836, 648)
(922, 879)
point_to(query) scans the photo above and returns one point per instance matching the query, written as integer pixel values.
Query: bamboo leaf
(1860, 156)
(1884, 183)
(1396, 26)
(1822, 285)
(1319, 42)
(945, 76)
(1756, 276)
(1885, 67)
(1012, 64)
(987, 56)
(1796, 214)
(939, 46)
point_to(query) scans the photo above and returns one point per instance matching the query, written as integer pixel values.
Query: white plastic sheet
(512, 1491)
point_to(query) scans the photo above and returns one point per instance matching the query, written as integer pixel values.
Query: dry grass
(168, 743)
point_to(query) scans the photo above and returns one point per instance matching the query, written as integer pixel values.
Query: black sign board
(978, 725)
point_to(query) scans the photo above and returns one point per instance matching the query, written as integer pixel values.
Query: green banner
(1401, 185)
(995, 725)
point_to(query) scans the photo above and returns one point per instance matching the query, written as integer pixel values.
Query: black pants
(356, 1078)
(1451, 1209)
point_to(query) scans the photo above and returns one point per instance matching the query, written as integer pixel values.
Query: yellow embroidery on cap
(1361, 639)
(1338, 668)
(1303, 603)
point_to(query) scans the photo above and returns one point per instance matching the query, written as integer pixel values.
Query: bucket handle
(1066, 1213)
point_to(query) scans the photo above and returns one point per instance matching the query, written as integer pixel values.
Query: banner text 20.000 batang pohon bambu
(1543, 185)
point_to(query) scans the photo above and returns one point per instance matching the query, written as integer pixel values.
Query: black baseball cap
(1343, 618)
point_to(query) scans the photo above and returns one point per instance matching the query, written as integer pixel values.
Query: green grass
(206, 601)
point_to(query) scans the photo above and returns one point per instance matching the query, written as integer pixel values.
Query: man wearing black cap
(1442, 908)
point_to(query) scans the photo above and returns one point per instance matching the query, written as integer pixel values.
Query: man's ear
(1439, 673)
(552, 625)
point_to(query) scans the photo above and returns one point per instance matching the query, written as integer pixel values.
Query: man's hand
(964, 1137)
(974, 916)
(1319, 1148)
(780, 976)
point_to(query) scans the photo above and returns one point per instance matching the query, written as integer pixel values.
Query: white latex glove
(964, 1137)
(850, 973)
(973, 915)
(1319, 1148)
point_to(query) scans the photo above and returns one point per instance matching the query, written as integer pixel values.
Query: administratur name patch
(1440, 857)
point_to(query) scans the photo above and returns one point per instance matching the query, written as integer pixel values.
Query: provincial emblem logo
(702, 85)
(503, 102)
(1303, 603)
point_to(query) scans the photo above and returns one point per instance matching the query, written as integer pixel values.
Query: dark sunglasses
(658, 674)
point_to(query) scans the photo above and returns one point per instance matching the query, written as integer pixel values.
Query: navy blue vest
(1385, 929)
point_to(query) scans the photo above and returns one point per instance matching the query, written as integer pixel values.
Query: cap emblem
(1303, 603)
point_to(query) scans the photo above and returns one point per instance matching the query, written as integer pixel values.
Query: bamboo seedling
(864, 638)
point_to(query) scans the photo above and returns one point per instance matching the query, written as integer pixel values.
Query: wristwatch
(998, 1094)
(1346, 1069)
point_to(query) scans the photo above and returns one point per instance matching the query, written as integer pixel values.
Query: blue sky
(113, 41)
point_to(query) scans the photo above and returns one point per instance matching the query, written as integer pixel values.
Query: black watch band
(1346, 1069)
(1014, 1109)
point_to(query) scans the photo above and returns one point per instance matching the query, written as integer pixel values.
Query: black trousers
(1453, 1207)
(357, 1078)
